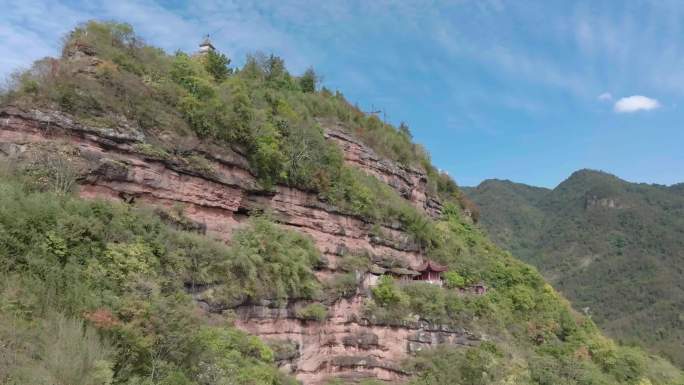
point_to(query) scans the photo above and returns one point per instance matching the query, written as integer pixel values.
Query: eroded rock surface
(409, 182)
(217, 192)
(346, 345)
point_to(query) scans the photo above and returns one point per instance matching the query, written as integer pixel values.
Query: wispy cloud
(635, 103)
(606, 96)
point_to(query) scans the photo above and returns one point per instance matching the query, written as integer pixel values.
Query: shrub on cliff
(387, 293)
(427, 300)
(267, 261)
(388, 304)
(341, 286)
(312, 312)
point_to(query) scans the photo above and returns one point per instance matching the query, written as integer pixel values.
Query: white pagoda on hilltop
(206, 46)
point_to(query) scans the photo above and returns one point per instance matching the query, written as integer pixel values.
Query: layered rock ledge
(409, 182)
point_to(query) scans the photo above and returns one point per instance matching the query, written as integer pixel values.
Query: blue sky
(523, 90)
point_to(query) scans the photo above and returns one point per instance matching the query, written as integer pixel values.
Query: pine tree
(217, 65)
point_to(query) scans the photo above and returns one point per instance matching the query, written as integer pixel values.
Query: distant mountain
(516, 205)
(615, 248)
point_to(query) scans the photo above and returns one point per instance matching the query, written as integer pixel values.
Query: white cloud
(605, 96)
(635, 103)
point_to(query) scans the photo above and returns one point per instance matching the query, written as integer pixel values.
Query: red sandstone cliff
(218, 192)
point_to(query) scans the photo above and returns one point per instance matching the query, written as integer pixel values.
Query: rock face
(410, 183)
(345, 345)
(595, 201)
(217, 193)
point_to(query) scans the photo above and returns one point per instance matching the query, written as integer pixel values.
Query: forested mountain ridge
(517, 216)
(171, 219)
(615, 248)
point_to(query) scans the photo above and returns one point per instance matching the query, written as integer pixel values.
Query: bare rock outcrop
(592, 201)
(346, 345)
(409, 182)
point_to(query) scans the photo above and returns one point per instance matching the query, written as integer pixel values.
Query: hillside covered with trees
(614, 248)
(99, 292)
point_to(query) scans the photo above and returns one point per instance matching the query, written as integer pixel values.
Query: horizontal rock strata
(409, 182)
(218, 192)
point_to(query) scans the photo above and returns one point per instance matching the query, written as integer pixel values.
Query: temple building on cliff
(431, 272)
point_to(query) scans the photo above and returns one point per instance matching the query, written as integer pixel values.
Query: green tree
(405, 130)
(309, 80)
(387, 293)
(217, 64)
(274, 68)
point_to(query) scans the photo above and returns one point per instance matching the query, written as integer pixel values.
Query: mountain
(170, 219)
(613, 247)
(517, 216)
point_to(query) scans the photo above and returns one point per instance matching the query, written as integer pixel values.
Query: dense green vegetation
(539, 340)
(92, 293)
(623, 263)
(107, 284)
